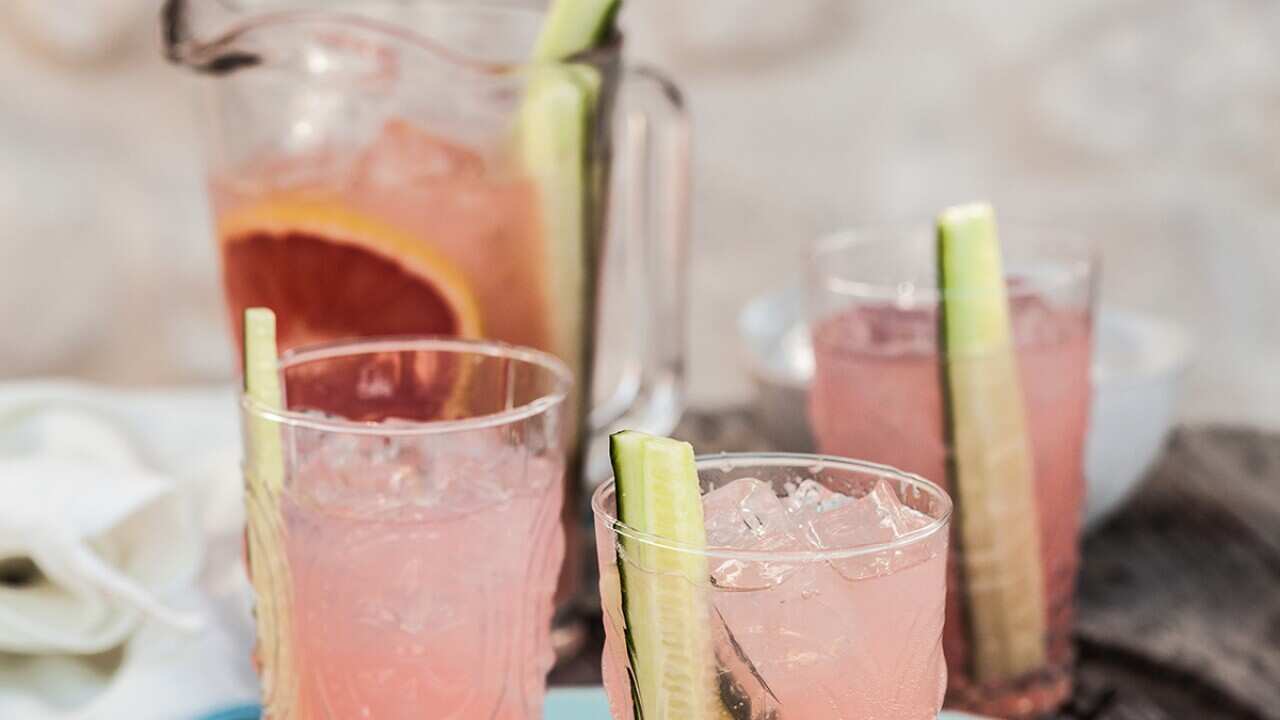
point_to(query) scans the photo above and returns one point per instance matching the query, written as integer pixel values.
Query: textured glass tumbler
(851, 630)
(419, 540)
(878, 394)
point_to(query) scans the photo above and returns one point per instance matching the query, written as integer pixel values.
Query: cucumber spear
(991, 469)
(574, 26)
(265, 529)
(665, 604)
(554, 136)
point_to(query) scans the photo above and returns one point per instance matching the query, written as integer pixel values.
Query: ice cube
(406, 155)
(809, 499)
(877, 517)
(746, 514)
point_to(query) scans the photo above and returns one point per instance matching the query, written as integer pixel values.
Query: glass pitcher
(390, 168)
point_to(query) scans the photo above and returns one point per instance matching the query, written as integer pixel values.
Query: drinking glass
(819, 601)
(418, 534)
(878, 394)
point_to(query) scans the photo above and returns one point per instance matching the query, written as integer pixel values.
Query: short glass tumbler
(408, 564)
(811, 606)
(878, 394)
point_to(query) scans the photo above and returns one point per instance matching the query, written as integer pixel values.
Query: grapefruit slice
(332, 272)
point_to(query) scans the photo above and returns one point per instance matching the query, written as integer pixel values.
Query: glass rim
(1079, 260)
(417, 343)
(777, 459)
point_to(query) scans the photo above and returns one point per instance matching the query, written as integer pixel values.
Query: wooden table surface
(1179, 613)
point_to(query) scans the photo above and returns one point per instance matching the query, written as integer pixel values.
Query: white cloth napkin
(104, 608)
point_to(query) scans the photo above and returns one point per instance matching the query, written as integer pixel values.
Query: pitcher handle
(654, 139)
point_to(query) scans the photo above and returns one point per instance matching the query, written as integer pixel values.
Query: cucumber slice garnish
(262, 383)
(666, 609)
(555, 135)
(991, 469)
(265, 529)
(626, 452)
(573, 26)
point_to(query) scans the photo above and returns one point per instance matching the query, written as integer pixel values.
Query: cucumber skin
(626, 453)
(622, 444)
(262, 383)
(630, 453)
(982, 326)
(269, 570)
(575, 26)
(969, 256)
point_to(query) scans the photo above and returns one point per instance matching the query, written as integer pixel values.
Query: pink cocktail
(878, 394)
(824, 595)
(421, 535)
(427, 168)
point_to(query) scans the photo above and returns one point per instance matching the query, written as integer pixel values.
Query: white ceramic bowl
(1138, 360)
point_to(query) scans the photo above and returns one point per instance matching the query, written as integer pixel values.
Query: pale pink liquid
(858, 637)
(423, 604)
(867, 648)
(877, 396)
(473, 210)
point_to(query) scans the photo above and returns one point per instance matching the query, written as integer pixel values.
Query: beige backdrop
(1153, 125)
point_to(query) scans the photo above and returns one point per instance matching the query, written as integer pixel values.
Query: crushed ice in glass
(376, 474)
(747, 514)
